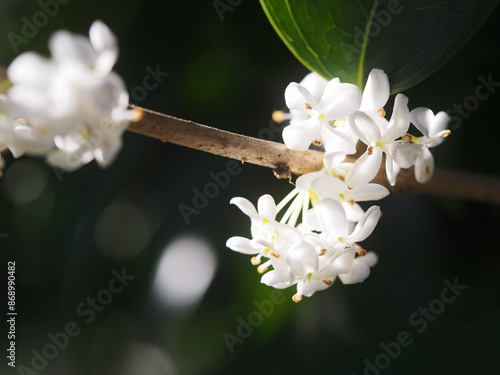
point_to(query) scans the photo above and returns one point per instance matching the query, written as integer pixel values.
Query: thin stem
(285, 161)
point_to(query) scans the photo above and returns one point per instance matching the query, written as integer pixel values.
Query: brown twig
(281, 159)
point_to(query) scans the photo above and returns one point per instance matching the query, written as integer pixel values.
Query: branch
(283, 160)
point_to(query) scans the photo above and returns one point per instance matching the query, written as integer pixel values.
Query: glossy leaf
(409, 40)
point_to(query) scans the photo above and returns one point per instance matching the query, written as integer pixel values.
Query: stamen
(1, 173)
(351, 201)
(370, 150)
(255, 261)
(22, 120)
(407, 138)
(427, 170)
(317, 142)
(280, 116)
(137, 115)
(327, 282)
(362, 252)
(261, 269)
(308, 106)
(275, 255)
(322, 252)
(381, 112)
(297, 298)
(446, 133)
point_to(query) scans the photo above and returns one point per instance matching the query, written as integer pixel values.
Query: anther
(280, 116)
(381, 112)
(308, 106)
(255, 261)
(407, 138)
(317, 142)
(370, 150)
(427, 170)
(362, 252)
(262, 268)
(351, 201)
(322, 252)
(446, 133)
(137, 115)
(327, 282)
(275, 255)
(297, 298)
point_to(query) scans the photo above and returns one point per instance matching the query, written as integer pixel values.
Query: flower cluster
(72, 108)
(324, 245)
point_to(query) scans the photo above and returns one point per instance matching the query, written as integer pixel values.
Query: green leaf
(409, 40)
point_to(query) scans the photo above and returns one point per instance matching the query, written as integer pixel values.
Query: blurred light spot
(144, 359)
(184, 272)
(23, 182)
(121, 232)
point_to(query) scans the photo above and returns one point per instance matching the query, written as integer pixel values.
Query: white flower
(311, 274)
(380, 137)
(331, 187)
(360, 269)
(432, 127)
(65, 100)
(331, 220)
(417, 154)
(314, 126)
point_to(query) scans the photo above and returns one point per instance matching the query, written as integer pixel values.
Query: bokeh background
(67, 232)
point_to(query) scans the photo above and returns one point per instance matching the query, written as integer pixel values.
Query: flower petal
(422, 118)
(360, 271)
(328, 187)
(376, 92)
(339, 100)
(424, 166)
(364, 128)
(266, 207)
(344, 263)
(400, 119)
(366, 225)
(332, 217)
(368, 192)
(245, 206)
(302, 258)
(365, 168)
(299, 98)
(315, 84)
(300, 136)
(241, 245)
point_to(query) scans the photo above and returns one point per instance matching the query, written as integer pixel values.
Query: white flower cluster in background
(312, 253)
(71, 108)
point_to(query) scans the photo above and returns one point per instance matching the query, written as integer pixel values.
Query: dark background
(67, 233)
